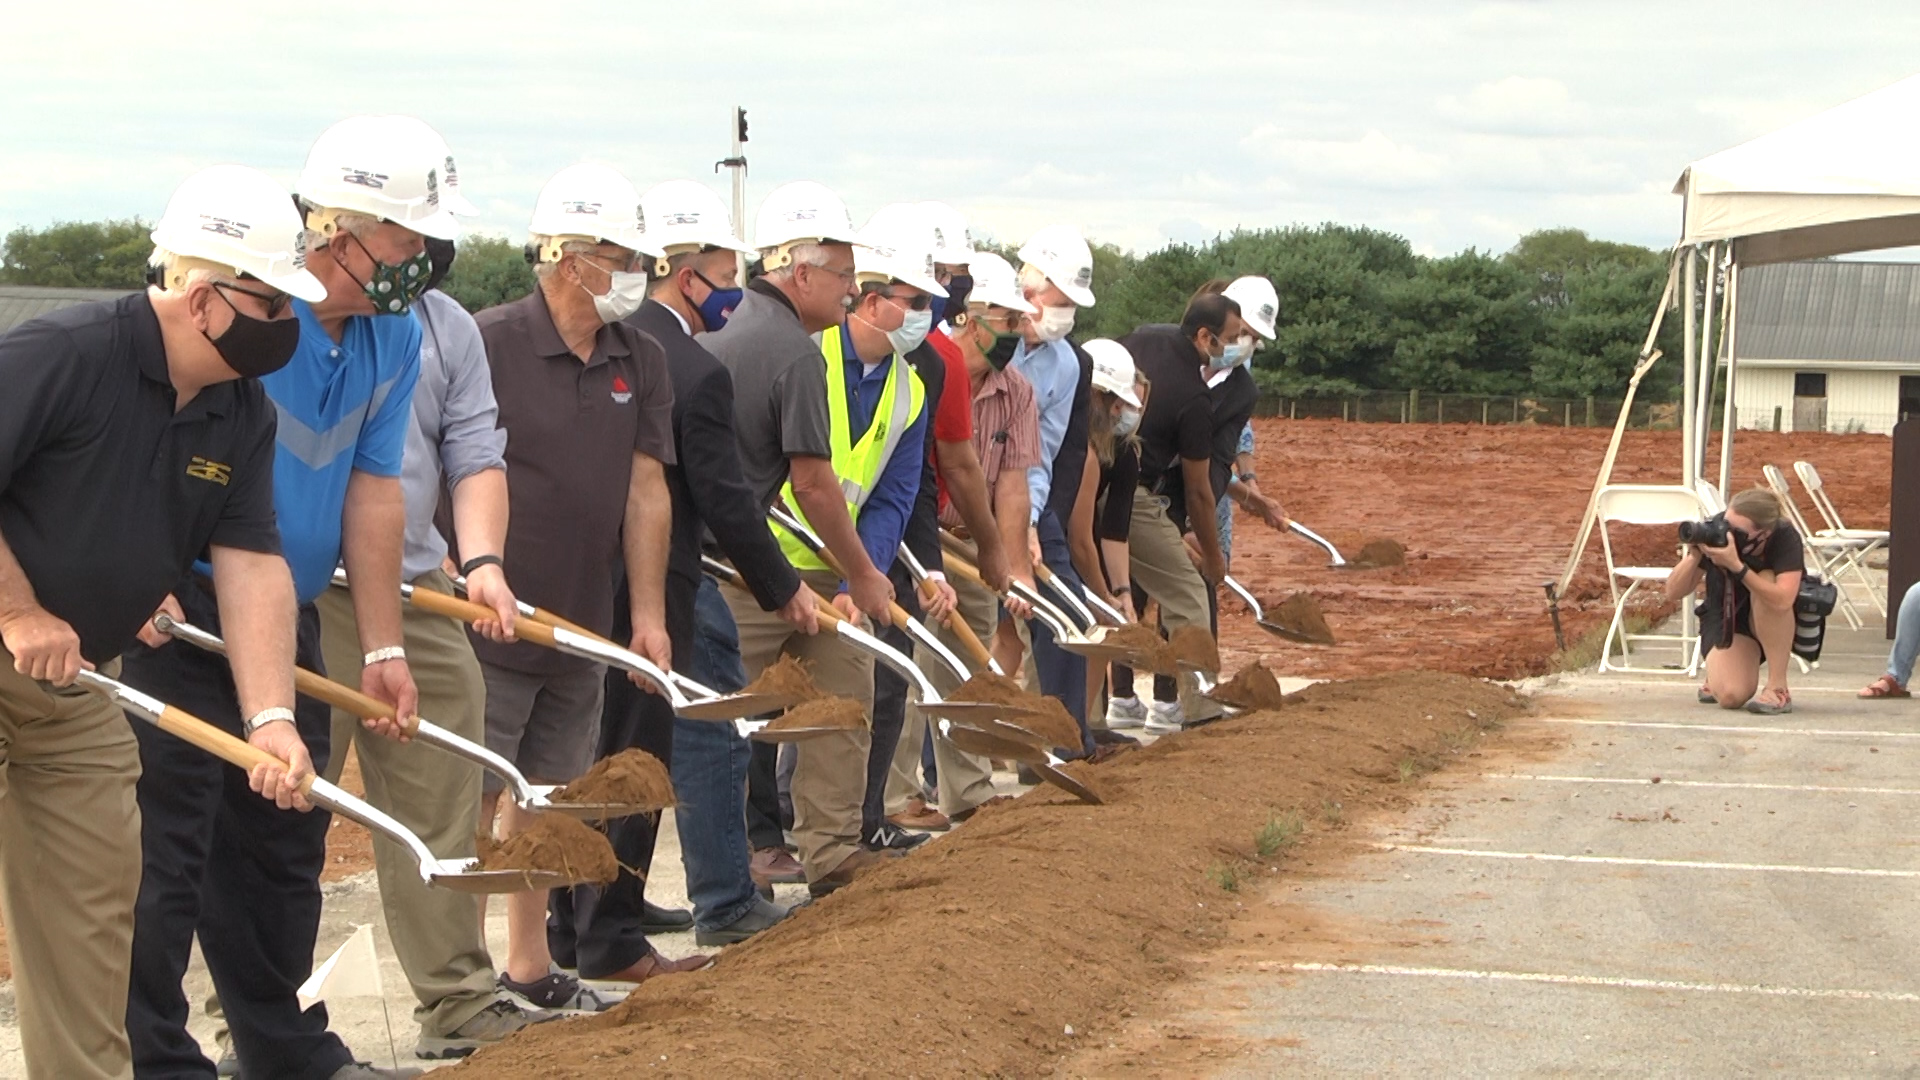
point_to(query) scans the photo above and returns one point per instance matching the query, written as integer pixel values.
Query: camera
(1713, 532)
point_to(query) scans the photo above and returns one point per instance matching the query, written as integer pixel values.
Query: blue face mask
(719, 304)
(957, 289)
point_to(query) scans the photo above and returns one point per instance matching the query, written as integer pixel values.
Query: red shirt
(953, 417)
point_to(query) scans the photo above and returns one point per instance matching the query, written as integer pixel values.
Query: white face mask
(913, 330)
(623, 298)
(1054, 323)
(1126, 423)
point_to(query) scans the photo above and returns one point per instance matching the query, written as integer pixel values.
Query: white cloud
(1514, 106)
(1372, 161)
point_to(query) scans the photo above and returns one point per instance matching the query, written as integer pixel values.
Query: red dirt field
(1487, 514)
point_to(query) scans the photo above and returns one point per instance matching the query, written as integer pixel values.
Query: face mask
(440, 253)
(255, 347)
(1126, 423)
(623, 298)
(959, 286)
(1004, 346)
(719, 304)
(1054, 323)
(1234, 355)
(913, 330)
(393, 287)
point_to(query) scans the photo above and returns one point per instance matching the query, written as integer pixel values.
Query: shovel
(705, 704)
(1066, 633)
(459, 875)
(1260, 616)
(1333, 553)
(532, 797)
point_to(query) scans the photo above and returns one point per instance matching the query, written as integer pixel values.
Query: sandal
(1760, 706)
(1885, 687)
(1706, 697)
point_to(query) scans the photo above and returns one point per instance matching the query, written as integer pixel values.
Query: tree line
(1559, 315)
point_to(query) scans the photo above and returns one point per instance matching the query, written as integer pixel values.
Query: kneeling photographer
(1752, 562)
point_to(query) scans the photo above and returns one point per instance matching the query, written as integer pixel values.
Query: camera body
(1713, 532)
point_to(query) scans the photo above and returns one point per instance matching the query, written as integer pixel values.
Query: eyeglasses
(276, 301)
(844, 275)
(918, 301)
(632, 262)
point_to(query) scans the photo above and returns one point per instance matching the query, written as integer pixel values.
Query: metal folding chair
(1832, 555)
(1645, 504)
(1873, 539)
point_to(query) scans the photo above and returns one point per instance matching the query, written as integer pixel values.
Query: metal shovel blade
(1333, 553)
(788, 735)
(985, 744)
(1292, 634)
(1064, 780)
(543, 799)
(729, 706)
(461, 875)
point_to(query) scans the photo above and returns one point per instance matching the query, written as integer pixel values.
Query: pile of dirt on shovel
(1194, 647)
(1253, 688)
(1301, 614)
(631, 777)
(1378, 555)
(975, 955)
(1150, 651)
(554, 843)
(825, 711)
(1046, 716)
(786, 676)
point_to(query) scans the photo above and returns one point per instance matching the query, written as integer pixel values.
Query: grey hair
(1032, 278)
(802, 255)
(349, 221)
(544, 270)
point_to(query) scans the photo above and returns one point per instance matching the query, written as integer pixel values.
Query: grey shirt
(456, 425)
(779, 387)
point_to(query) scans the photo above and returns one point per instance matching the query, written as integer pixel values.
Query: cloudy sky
(1453, 124)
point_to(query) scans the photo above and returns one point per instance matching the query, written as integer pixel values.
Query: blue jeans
(710, 776)
(1906, 637)
(1063, 675)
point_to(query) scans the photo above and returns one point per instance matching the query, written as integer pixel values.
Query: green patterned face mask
(394, 287)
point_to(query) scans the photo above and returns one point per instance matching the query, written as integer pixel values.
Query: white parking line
(1737, 729)
(1609, 981)
(1679, 864)
(1666, 782)
(1675, 683)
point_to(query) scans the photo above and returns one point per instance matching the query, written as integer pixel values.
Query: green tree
(1467, 323)
(1597, 298)
(78, 254)
(487, 272)
(1334, 332)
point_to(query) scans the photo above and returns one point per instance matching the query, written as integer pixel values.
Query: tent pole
(1649, 356)
(1703, 401)
(1689, 369)
(1728, 340)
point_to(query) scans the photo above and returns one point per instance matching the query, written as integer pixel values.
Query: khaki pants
(1160, 566)
(435, 933)
(830, 772)
(966, 780)
(69, 873)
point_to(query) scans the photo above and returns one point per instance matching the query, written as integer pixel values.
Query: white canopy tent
(1842, 181)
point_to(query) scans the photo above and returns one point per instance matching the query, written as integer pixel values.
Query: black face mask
(440, 253)
(958, 287)
(256, 347)
(1002, 352)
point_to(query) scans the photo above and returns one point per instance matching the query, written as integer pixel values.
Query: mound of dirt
(786, 676)
(1378, 555)
(554, 843)
(1253, 688)
(1045, 716)
(1150, 651)
(1301, 614)
(821, 712)
(1194, 647)
(631, 777)
(956, 961)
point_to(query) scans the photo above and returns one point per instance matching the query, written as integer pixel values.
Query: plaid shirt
(1006, 430)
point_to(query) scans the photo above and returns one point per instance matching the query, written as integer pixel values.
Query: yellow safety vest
(857, 464)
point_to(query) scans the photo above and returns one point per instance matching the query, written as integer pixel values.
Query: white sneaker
(1125, 712)
(1165, 718)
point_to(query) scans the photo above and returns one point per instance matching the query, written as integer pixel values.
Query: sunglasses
(276, 301)
(918, 302)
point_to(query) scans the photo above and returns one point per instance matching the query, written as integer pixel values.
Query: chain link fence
(1427, 407)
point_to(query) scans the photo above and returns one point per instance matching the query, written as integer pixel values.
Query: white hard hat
(685, 215)
(897, 246)
(588, 202)
(450, 195)
(952, 243)
(1259, 303)
(995, 284)
(1061, 253)
(238, 218)
(1113, 369)
(800, 212)
(374, 165)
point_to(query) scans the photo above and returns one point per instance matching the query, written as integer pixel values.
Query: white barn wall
(1757, 391)
(1861, 400)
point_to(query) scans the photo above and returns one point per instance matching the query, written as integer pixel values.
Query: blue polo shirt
(341, 407)
(883, 520)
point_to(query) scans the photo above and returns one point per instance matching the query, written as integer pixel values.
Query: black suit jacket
(710, 493)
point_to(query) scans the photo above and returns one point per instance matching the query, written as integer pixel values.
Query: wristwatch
(479, 561)
(381, 656)
(264, 717)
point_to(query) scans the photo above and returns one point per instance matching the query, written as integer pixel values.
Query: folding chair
(1710, 496)
(1831, 554)
(1646, 504)
(1874, 539)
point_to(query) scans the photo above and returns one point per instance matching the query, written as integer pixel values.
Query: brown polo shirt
(572, 430)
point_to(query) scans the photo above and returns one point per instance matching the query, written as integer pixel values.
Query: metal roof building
(1828, 346)
(19, 303)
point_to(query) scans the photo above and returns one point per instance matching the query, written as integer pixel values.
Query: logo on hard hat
(453, 174)
(640, 218)
(1267, 313)
(1084, 279)
(433, 188)
(939, 237)
(801, 215)
(374, 180)
(683, 217)
(300, 249)
(580, 206)
(224, 227)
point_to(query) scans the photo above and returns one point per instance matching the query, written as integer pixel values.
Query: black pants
(1165, 687)
(219, 861)
(596, 928)
(889, 719)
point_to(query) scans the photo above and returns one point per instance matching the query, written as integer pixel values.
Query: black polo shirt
(107, 495)
(1233, 402)
(572, 430)
(1179, 422)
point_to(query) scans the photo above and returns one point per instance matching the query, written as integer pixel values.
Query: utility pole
(737, 163)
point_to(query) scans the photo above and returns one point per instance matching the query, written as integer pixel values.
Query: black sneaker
(655, 919)
(559, 992)
(890, 837)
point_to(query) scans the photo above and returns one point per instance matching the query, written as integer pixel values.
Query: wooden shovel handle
(345, 697)
(956, 622)
(228, 748)
(469, 612)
